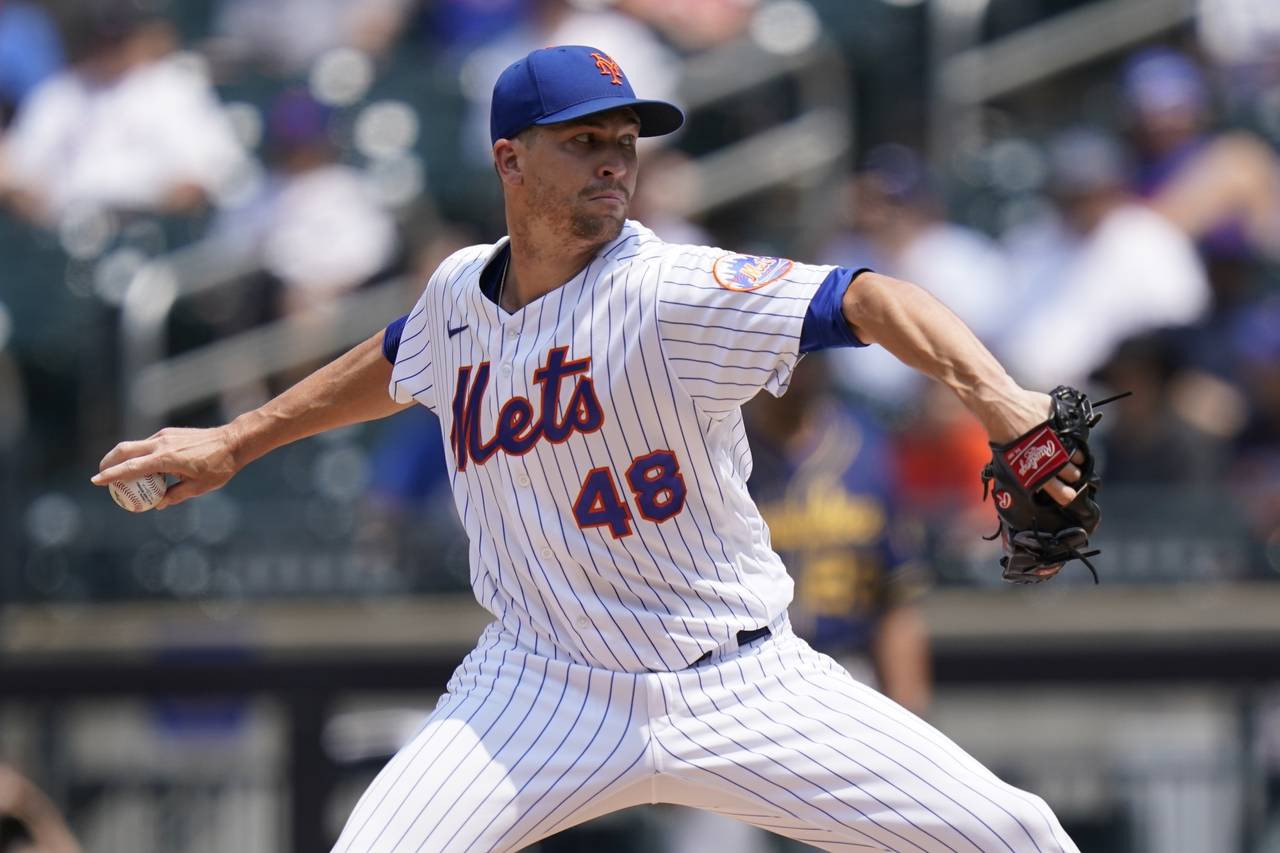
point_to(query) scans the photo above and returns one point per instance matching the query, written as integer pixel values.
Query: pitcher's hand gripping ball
(1037, 532)
(139, 495)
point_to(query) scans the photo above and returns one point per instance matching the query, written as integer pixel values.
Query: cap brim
(657, 118)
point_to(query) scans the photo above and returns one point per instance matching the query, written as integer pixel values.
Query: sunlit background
(204, 200)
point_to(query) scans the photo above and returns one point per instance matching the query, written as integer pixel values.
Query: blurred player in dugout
(824, 481)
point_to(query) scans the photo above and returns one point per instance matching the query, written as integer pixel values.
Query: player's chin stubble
(583, 225)
(595, 228)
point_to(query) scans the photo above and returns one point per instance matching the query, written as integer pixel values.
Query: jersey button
(584, 622)
(523, 481)
(513, 333)
(506, 369)
(546, 553)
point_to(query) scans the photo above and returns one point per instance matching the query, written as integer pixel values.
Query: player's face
(583, 173)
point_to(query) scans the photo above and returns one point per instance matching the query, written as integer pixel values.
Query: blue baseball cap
(557, 84)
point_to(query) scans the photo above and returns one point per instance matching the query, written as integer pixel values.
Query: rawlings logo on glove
(1037, 457)
(1038, 533)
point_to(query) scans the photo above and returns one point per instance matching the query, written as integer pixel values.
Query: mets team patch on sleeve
(748, 272)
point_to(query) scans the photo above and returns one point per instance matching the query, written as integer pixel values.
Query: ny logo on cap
(608, 67)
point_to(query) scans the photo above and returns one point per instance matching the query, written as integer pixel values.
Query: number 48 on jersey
(656, 485)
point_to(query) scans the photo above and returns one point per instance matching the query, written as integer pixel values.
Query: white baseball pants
(774, 734)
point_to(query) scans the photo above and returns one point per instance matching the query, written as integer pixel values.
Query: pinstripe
(420, 351)
(871, 747)
(622, 379)
(405, 339)
(548, 751)
(408, 762)
(416, 314)
(562, 712)
(493, 506)
(495, 755)
(863, 744)
(536, 831)
(564, 498)
(573, 818)
(770, 332)
(726, 348)
(872, 701)
(423, 775)
(771, 296)
(752, 792)
(839, 686)
(570, 623)
(548, 621)
(803, 738)
(773, 315)
(568, 449)
(604, 716)
(690, 583)
(762, 613)
(790, 771)
(718, 365)
(701, 529)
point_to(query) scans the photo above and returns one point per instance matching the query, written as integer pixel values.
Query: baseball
(139, 495)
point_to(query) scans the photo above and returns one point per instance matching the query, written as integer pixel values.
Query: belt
(743, 638)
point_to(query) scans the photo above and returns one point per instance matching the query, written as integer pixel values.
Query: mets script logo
(748, 272)
(521, 424)
(608, 67)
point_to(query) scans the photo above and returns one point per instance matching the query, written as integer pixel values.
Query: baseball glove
(1037, 532)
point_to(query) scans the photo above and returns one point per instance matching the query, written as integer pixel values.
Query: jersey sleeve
(412, 376)
(733, 324)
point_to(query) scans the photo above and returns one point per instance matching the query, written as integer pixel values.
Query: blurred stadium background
(203, 199)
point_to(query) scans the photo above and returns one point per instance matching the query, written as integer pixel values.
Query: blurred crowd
(319, 149)
(1124, 235)
(316, 150)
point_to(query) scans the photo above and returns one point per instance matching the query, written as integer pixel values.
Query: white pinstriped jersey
(599, 465)
(596, 448)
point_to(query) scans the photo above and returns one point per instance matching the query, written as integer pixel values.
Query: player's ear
(508, 163)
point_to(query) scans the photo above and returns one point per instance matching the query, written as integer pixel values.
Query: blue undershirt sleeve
(824, 324)
(391, 338)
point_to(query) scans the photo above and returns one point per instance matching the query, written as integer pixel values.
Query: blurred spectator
(461, 25)
(693, 26)
(1243, 36)
(130, 126)
(1257, 349)
(287, 36)
(824, 481)
(1106, 268)
(897, 227)
(1174, 429)
(938, 452)
(1112, 266)
(1168, 98)
(13, 427)
(663, 195)
(1235, 180)
(29, 822)
(314, 229)
(323, 232)
(30, 52)
(651, 66)
(13, 409)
